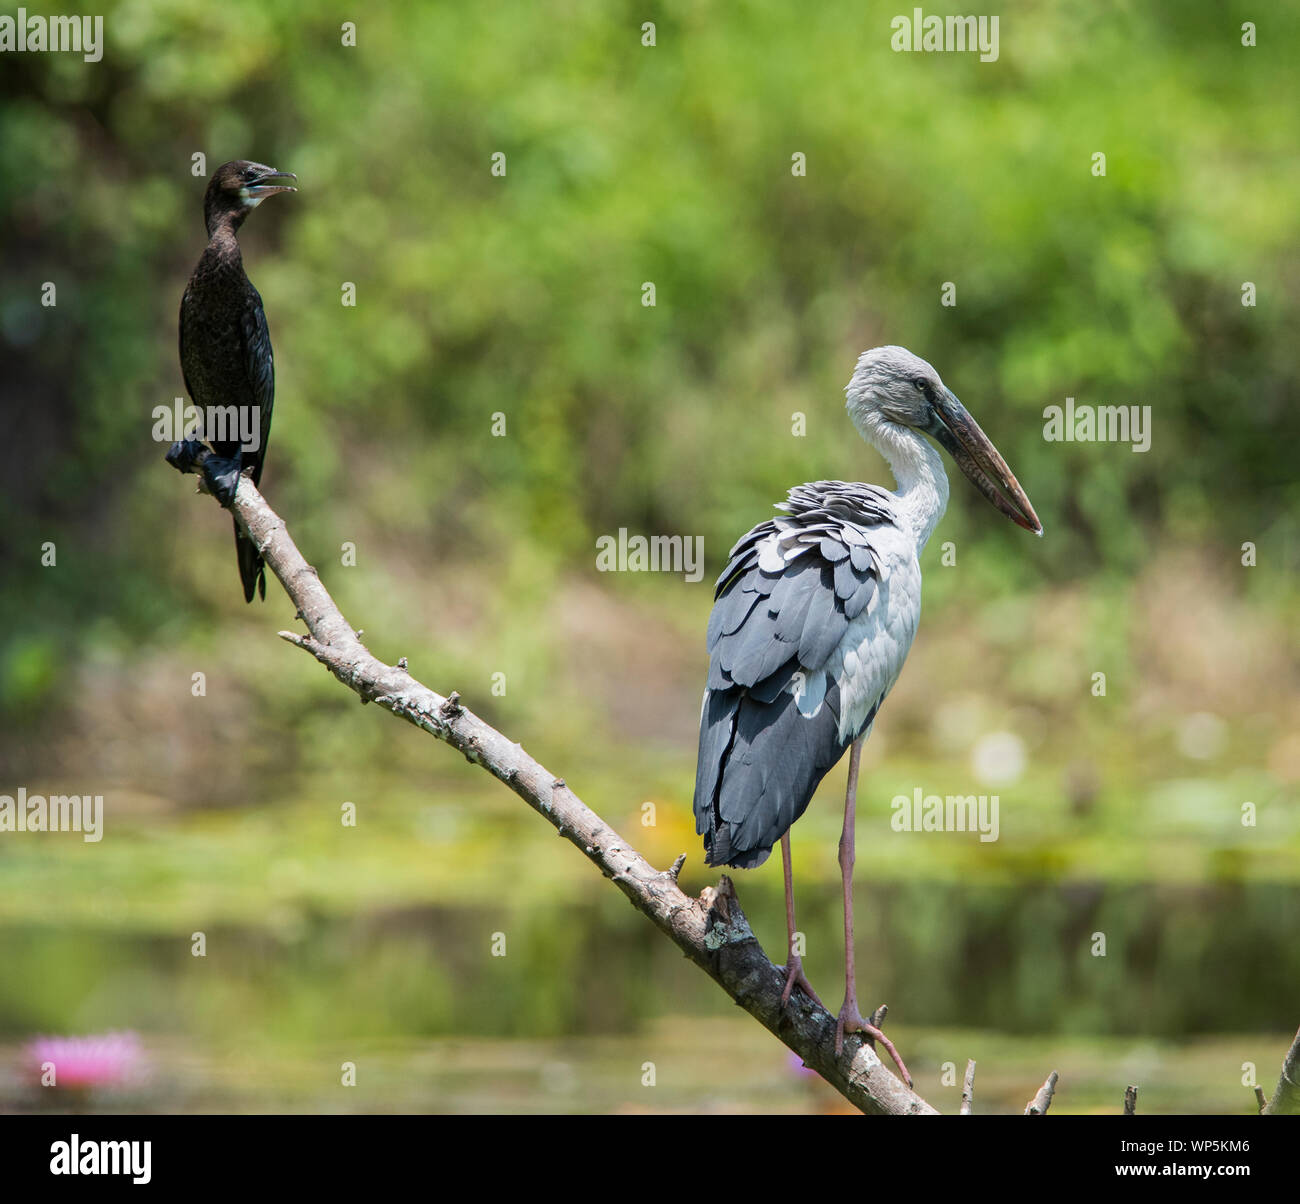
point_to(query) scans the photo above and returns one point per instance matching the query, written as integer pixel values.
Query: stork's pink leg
(850, 1018)
(794, 963)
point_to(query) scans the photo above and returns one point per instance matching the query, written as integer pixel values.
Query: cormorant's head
(237, 188)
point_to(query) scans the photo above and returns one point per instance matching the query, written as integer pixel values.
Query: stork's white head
(893, 390)
(892, 382)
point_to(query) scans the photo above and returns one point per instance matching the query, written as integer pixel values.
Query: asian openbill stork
(812, 619)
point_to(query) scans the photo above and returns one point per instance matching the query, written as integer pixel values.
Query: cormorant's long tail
(252, 571)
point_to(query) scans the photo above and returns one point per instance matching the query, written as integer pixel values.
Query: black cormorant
(225, 346)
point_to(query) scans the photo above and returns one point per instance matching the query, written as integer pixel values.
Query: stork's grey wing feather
(770, 727)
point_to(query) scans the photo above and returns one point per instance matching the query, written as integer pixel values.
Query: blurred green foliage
(522, 295)
(628, 164)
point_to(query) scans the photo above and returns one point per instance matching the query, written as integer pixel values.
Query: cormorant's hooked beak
(976, 456)
(258, 189)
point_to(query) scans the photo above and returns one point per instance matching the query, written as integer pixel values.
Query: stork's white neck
(922, 483)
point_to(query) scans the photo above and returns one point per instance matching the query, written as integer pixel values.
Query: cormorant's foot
(794, 977)
(850, 1020)
(221, 478)
(184, 453)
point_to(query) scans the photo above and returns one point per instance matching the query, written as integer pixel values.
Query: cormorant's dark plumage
(225, 346)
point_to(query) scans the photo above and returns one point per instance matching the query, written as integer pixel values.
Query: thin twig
(712, 930)
(1286, 1099)
(1130, 1100)
(1043, 1100)
(968, 1088)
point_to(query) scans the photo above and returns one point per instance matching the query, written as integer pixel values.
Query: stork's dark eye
(922, 385)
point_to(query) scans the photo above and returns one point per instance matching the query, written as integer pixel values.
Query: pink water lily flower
(103, 1060)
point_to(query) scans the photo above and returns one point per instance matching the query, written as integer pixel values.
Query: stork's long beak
(260, 189)
(976, 456)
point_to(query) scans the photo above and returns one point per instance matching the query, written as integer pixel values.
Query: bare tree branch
(1286, 1099)
(712, 930)
(1130, 1100)
(968, 1088)
(1043, 1100)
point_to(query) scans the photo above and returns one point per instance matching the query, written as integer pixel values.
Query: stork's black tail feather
(760, 762)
